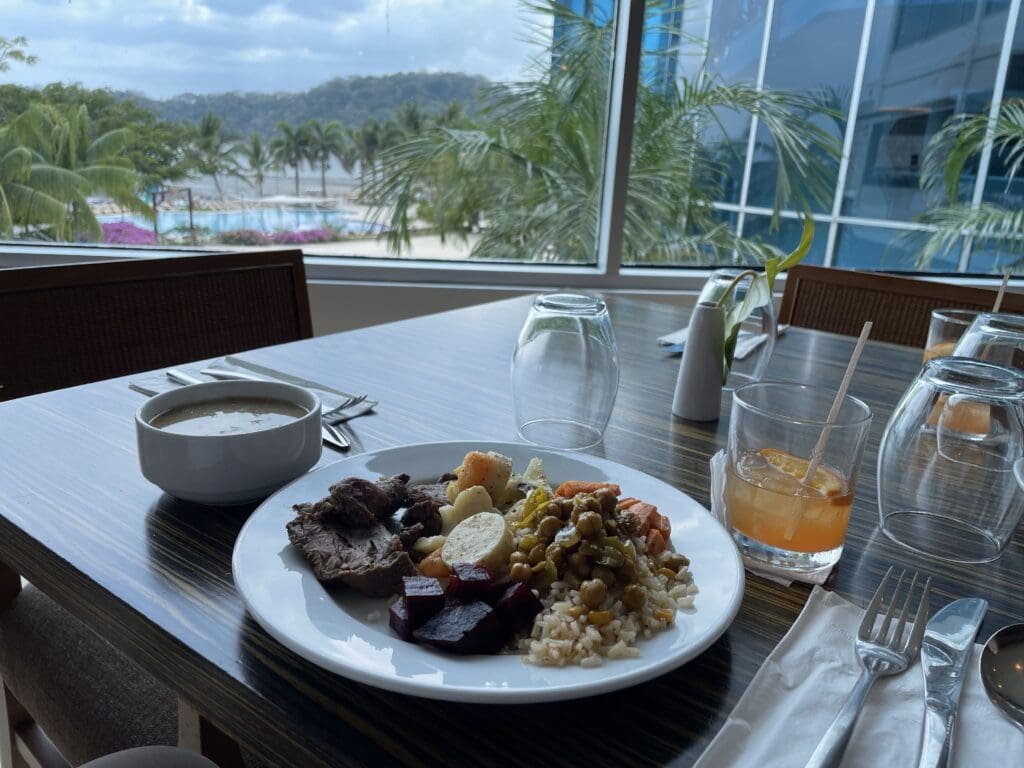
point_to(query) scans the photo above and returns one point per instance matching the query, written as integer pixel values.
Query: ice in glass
(779, 513)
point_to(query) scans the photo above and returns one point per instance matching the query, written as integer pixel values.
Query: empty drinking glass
(994, 336)
(565, 372)
(947, 484)
(945, 330)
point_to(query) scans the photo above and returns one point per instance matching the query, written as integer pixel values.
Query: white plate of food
(350, 633)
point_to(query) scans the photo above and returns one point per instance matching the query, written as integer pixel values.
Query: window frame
(608, 272)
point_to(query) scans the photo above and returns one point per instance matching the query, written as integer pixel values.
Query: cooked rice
(558, 638)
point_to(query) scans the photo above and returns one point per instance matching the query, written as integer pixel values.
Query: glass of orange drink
(945, 330)
(781, 513)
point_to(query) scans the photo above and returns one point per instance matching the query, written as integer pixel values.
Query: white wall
(339, 306)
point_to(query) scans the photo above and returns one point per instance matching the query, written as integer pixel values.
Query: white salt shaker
(698, 395)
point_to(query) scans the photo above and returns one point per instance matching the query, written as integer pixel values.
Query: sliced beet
(470, 582)
(518, 607)
(398, 619)
(471, 627)
(424, 596)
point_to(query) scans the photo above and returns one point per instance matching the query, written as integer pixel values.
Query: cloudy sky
(167, 47)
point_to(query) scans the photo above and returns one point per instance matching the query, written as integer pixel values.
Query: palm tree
(13, 49)
(411, 118)
(213, 152)
(257, 159)
(289, 149)
(961, 138)
(69, 164)
(532, 170)
(367, 138)
(452, 115)
(21, 204)
(324, 141)
(348, 155)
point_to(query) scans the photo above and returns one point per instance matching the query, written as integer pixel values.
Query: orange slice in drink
(942, 349)
(825, 481)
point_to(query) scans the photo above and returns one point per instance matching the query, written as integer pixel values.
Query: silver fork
(880, 653)
(345, 404)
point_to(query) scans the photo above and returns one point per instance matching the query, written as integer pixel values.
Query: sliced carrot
(570, 488)
(655, 542)
(626, 503)
(646, 515)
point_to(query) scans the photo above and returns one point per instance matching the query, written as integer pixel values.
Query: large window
(456, 136)
(891, 72)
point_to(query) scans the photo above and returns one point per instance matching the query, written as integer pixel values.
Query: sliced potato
(427, 544)
(483, 539)
(452, 490)
(467, 503)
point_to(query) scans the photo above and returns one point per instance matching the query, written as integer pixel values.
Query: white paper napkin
(746, 342)
(779, 575)
(793, 697)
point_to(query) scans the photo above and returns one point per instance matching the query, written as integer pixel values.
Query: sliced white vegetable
(427, 544)
(452, 491)
(483, 539)
(467, 503)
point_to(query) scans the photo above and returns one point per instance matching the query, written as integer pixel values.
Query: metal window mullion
(851, 124)
(626, 55)
(748, 160)
(998, 89)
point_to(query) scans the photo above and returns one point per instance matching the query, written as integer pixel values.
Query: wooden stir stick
(1002, 289)
(833, 413)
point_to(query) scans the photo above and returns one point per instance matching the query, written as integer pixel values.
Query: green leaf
(759, 292)
(806, 238)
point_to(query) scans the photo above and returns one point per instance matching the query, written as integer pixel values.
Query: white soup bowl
(228, 469)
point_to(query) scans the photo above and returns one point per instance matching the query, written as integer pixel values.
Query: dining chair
(76, 323)
(66, 694)
(842, 300)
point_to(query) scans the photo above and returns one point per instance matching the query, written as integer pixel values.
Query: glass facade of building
(894, 71)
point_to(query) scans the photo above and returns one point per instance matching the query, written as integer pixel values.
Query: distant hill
(350, 100)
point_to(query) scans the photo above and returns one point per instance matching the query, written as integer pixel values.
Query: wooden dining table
(152, 575)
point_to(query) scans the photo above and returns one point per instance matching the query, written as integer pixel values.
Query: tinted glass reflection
(998, 188)
(786, 236)
(988, 257)
(813, 48)
(926, 62)
(892, 250)
(734, 51)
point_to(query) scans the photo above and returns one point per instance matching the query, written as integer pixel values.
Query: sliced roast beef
(410, 534)
(371, 559)
(430, 491)
(425, 513)
(357, 503)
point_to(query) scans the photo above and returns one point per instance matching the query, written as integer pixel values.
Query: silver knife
(948, 642)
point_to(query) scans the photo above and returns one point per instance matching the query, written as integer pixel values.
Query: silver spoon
(1002, 671)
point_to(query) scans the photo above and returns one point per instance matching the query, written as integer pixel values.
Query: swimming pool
(263, 219)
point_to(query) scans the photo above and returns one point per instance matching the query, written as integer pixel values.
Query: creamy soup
(228, 416)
